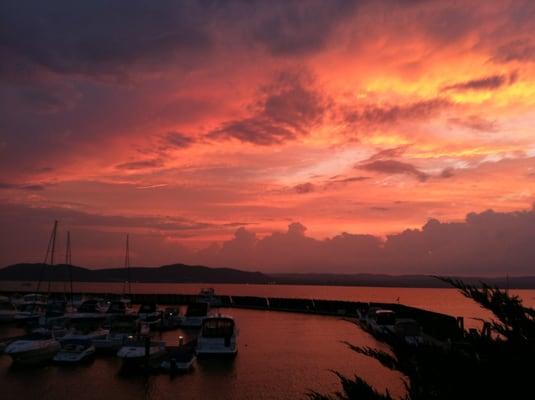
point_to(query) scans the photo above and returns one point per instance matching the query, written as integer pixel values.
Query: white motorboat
(149, 314)
(74, 351)
(7, 310)
(33, 348)
(195, 315)
(142, 353)
(218, 336)
(207, 295)
(121, 330)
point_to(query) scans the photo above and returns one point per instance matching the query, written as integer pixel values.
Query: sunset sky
(271, 135)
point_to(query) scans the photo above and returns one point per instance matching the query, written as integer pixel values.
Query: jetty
(437, 325)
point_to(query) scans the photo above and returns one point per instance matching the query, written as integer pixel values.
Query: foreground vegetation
(497, 362)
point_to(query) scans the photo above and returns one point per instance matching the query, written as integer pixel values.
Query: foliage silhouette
(495, 362)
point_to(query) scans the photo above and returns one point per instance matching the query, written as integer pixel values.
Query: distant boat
(195, 315)
(122, 329)
(381, 320)
(142, 353)
(33, 348)
(149, 314)
(30, 312)
(181, 358)
(74, 351)
(7, 310)
(218, 337)
(171, 318)
(90, 309)
(207, 295)
(119, 307)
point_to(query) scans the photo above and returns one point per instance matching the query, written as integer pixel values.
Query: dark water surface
(281, 355)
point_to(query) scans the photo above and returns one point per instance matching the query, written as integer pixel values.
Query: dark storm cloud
(492, 82)
(178, 140)
(72, 217)
(304, 188)
(296, 28)
(142, 164)
(32, 187)
(288, 110)
(389, 114)
(393, 152)
(99, 37)
(102, 38)
(516, 50)
(393, 167)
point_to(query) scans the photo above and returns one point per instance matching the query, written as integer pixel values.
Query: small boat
(381, 320)
(195, 315)
(410, 331)
(218, 336)
(142, 353)
(74, 351)
(30, 312)
(207, 295)
(119, 308)
(149, 314)
(122, 329)
(31, 298)
(7, 310)
(92, 308)
(179, 359)
(171, 318)
(86, 331)
(33, 348)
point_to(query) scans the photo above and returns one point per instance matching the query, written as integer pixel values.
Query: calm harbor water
(281, 355)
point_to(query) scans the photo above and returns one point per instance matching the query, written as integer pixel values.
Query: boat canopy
(197, 310)
(147, 308)
(218, 327)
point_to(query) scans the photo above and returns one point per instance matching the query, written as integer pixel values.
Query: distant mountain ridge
(181, 273)
(176, 273)
(410, 281)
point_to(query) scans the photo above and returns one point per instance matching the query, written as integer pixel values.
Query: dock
(440, 326)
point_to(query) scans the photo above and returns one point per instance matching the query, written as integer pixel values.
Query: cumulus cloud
(486, 244)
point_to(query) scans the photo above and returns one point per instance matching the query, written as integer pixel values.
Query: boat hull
(34, 356)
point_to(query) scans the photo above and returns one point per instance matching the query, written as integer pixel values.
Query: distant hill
(416, 281)
(180, 273)
(166, 274)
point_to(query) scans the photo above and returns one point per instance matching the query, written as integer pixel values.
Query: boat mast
(127, 266)
(52, 251)
(49, 249)
(68, 262)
